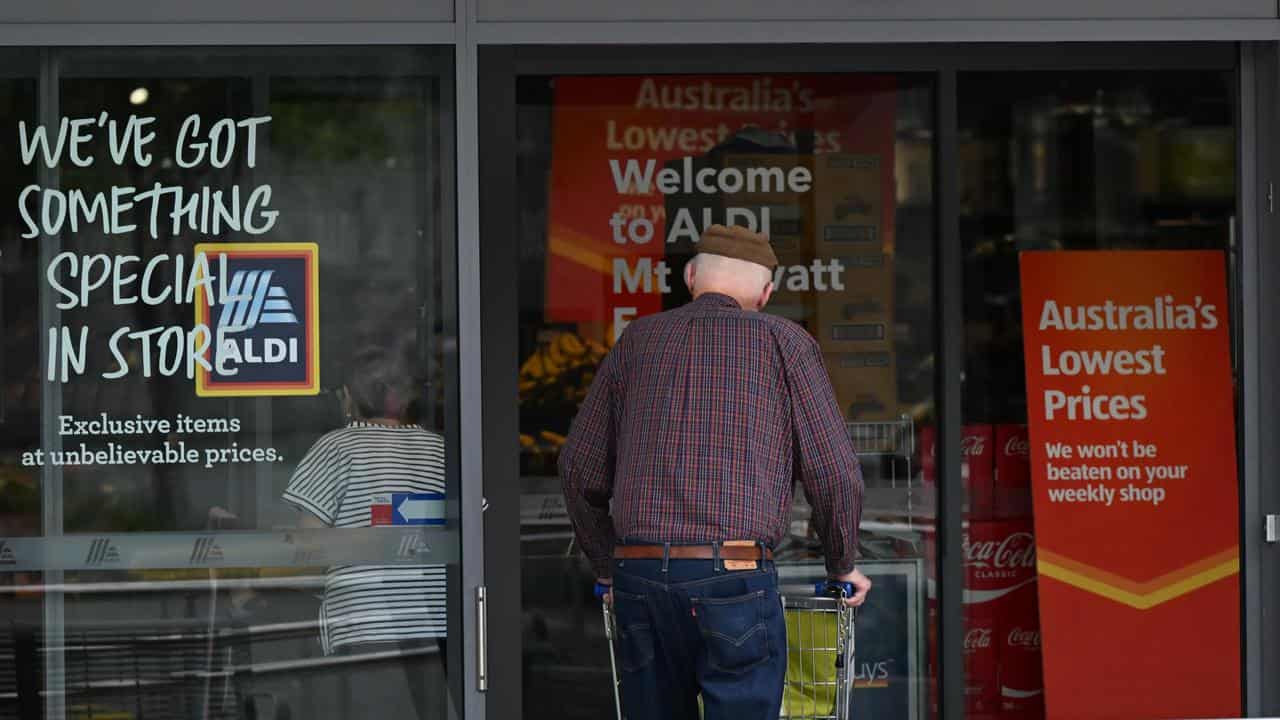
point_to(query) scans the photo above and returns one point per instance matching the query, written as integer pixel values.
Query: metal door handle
(482, 639)
(1273, 528)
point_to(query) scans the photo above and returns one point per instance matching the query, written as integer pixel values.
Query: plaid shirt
(697, 427)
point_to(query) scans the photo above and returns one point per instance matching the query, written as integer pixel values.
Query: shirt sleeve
(318, 482)
(824, 459)
(587, 465)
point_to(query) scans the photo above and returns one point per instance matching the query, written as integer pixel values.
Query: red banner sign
(1133, 464)
(625, 147)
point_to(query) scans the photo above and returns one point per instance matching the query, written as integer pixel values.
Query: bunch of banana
(556, 440)
(554, 380)
(553, 359)
(567, 350)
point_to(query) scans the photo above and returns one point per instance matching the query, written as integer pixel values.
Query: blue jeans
(698, 628)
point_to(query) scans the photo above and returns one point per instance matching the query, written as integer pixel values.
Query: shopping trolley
(820, 653)
(887, 447)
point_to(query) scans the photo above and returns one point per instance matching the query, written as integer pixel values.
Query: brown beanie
(739, 243)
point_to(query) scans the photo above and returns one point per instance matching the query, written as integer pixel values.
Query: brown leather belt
(692, 552)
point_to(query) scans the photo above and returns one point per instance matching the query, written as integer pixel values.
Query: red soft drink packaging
(1000, 561)
(1012, 483)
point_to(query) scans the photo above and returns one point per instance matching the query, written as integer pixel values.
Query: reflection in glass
(617, 178)
(352, 477)
(189, 588)
(1060, 161)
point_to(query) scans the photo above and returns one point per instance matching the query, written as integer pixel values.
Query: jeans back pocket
(635, 630)
(735, 630)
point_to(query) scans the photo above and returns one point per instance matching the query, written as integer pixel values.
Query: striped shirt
(338, 481)
(697, 428)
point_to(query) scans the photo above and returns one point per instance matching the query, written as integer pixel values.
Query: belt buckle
(740, 564)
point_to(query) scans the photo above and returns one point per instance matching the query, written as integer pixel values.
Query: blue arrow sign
(417, 509)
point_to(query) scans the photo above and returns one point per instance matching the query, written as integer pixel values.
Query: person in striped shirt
(344, 481)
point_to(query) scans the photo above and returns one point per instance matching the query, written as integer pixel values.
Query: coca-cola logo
(973, 445)
(1024, 638)
(1017, 445)
(1016, 550)
(977, 638)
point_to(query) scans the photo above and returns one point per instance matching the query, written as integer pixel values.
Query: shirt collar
(716, 299)
(358, 423)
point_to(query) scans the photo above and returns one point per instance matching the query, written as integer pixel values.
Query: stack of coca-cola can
(1002, 629)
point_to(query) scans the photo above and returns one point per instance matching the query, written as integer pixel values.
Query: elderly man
(697, 427)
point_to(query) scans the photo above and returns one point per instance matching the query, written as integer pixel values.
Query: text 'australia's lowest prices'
(760, 96)
(1082, 403)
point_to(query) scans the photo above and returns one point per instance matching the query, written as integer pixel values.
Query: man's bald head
(749, 283)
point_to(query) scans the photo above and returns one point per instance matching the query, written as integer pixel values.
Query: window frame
(499, 67)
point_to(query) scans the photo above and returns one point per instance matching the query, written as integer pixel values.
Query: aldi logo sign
(266, 330)
(204, 551)
(102, 552)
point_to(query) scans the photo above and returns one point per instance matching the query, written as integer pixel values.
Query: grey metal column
(1259, 270)
(263, 490)
(499, 283)
(50, 406)
(1245, 247)
(471, 425)
(949, 346)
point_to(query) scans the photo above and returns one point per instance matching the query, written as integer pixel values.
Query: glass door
(837, 168)
(229, 410)
(1107, 148)
(1076, 172)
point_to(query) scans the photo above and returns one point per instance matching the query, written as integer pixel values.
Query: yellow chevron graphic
(1140, 595)
(578, 248)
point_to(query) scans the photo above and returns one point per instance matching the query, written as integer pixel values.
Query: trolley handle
(601, 590)
(833, 589)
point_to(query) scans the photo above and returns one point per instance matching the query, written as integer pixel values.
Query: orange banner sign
(642, 164)
(1132, 437)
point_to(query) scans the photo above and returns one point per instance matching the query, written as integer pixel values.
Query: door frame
(1259, 352)
(498, 69)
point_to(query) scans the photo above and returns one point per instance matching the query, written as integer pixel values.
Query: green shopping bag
(811, 674)
(810, 688)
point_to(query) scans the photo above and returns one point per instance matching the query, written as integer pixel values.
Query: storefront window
(1056, 167)
(225, 365)
(838, 170)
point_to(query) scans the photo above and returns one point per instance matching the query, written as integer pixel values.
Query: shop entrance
(932, 173)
